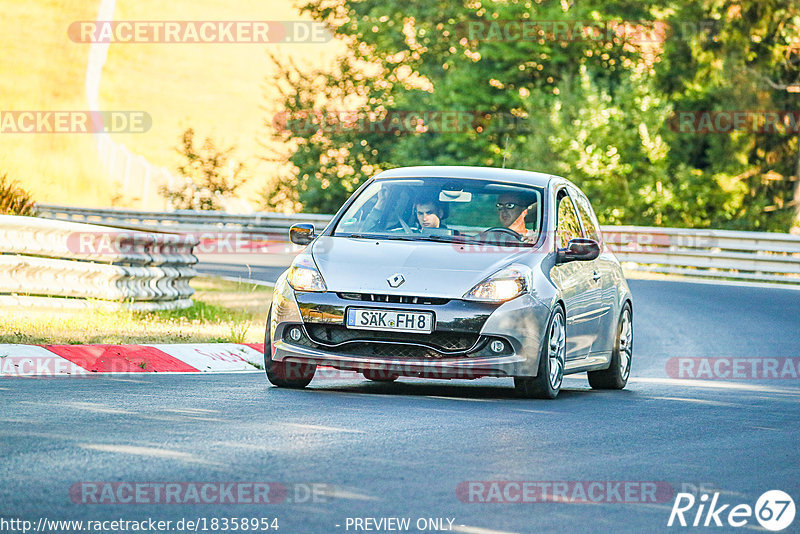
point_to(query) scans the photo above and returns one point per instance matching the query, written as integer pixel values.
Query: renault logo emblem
(396, 280)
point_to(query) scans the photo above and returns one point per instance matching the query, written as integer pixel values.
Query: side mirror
(301, 234)
(578, 249)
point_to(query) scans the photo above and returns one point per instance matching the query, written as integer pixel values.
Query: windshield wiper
(377, 236)
(460, 239)
(441, 238)
(502, 243)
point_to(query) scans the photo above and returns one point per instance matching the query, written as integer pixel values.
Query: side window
(587, 216)
(568, 226)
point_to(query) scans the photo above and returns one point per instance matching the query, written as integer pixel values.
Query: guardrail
(44, 261)
(271, 224)
(695, 253)
(719, 254)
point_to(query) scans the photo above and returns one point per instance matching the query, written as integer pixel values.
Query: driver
(512, 208)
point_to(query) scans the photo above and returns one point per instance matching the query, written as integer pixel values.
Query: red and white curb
(85, 360)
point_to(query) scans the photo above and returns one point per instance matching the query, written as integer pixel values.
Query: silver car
(455, 272)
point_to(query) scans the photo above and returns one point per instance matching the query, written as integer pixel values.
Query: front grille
(327, 334)
(396, 299)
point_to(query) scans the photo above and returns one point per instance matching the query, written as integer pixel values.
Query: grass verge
(223, 312)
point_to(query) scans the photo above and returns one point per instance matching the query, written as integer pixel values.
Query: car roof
(486, 173)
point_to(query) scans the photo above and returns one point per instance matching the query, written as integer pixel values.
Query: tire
(547, 383)
(616, 376)
(379, 375)
(283, 374)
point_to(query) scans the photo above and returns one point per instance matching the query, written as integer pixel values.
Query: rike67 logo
(774, 510)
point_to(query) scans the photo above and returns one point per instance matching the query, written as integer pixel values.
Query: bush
(210, 176)
(13, 199)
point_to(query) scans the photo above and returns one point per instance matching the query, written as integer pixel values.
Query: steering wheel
(502, 230)
(403, 226)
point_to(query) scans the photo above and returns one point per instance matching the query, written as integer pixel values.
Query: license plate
(398, 321)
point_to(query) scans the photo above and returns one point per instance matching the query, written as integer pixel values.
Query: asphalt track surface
(262, 273)
(261, 267)
(404, 449)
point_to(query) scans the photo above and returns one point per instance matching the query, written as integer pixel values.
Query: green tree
(743, 55)
(329, 162)
(420, 56)
(612, 145)
(598, 110)
(210, 176)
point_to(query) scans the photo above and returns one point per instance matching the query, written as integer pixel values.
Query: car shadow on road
(501, 389)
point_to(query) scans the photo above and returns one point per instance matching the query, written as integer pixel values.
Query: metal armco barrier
(715, 254)
(709, 254)
(42, 261)
(271, 224)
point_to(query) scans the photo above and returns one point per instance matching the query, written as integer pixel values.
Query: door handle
(596, 276)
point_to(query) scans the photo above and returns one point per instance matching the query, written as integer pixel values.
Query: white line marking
(248, 281)
(152, 452)
(96, 408)
(339, 493)
(631, 275)
(460, 398)
(714, 384)
(323, 428)
(698, 401)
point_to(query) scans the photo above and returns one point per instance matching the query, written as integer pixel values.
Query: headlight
(503, 285)
(304, 275)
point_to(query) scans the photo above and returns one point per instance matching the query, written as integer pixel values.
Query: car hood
(445, 270)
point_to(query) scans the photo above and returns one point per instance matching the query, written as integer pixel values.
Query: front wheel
(285, 374)
(547, 383)
(616, 376)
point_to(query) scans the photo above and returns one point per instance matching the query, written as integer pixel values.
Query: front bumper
(459, 347)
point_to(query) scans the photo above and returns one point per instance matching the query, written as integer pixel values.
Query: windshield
(445, 209)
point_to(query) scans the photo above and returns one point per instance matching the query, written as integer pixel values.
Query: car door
(574, 279)
(603, 266)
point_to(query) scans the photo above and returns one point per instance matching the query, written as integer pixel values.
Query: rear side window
(587, 216)
(568, 226)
